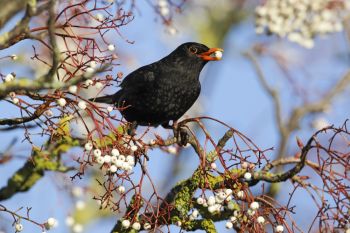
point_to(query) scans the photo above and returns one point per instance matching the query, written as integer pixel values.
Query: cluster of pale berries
(136, 225)
(49, 224)
(301, 20)
(215, 203)
(164, 10)
(114, 160)
(73, 89)
(82, 105)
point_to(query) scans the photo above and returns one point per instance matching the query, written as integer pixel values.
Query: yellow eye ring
(193, 49)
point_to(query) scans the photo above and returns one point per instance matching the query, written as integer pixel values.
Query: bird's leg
(131, 128)
(181, 134)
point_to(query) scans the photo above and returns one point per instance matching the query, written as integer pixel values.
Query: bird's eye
(193, 49)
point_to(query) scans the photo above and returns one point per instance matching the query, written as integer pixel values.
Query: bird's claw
(181, 135)
(131, 128)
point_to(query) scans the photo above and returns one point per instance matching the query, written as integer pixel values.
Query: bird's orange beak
(213, 54)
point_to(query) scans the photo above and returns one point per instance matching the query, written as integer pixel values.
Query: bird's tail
(108, 99)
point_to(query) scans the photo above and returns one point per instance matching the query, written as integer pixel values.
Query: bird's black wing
(140, 78)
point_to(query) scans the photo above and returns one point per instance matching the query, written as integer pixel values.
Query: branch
(43, 160)
(272, 92)
(20, 120)
(281, 177)
(21, 30)
(9, 9)
(53, 42)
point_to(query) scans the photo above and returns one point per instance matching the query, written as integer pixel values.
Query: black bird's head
(196, 53)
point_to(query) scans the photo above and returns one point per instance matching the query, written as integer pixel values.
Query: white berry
(9, 78)
(100, 160)
(248, 176)
(218, 54)
(146, 226)
(88, 146)
(133, 148)
(98, 85)
(279, 228)
(80, 205)
(51, 222)
(229, 225)
(115, 152)
(162, 3)
(260, 219)
(77, 191)
(97, 153)
(73, 89)
(77, 228)
(90, 70)
(200, 201)
(213, 166)
(245, 165)
(152, 142)
(126, 223)
(240, 194)
(100, 17)
(136, 226)
(233, 219)
(121, 189)
(126, 166)
(172, 150)
(110, 109)
(107, 158)
(61, 102)
(111, 47)
(113, 169)
(119, 163)
(69, 221)
(19, 227)
(88, 82)
(250, 212)
(228, 192)
(254, 205)
(231, 206)
(211, 200)
(114, 159)
(15, 100)
(195, 213)
(93, 64)
(82, 105)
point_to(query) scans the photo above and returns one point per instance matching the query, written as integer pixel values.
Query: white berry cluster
(253, 207)
(14, 99)
(91, 69)
(73, 225)
(135, 226)
(194, 214)
(301, 20)
(233, 220)
(215, 202)
(163, 7)
(114, 161)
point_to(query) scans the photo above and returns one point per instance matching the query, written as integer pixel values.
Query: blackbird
(164, 90)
